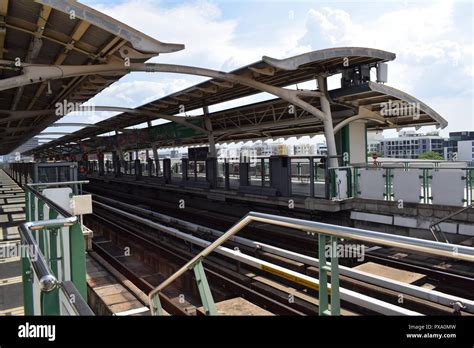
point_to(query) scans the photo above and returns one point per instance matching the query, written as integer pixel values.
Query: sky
(433, 41)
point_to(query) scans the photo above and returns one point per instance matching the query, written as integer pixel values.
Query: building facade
(411, 145)
(374, 140)
(459, 146)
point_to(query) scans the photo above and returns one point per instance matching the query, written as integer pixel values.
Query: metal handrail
(49, 202)
(61, 183)
(458, 252)
(60, 210)
(447, 217)
(47, 280)
(79, 305)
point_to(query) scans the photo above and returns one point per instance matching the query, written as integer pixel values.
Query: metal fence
(54, 269)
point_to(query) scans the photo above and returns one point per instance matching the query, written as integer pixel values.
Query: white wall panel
(447, 187)
(371, 184)
(407, 185)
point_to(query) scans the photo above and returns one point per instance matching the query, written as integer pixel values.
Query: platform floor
(12, 213)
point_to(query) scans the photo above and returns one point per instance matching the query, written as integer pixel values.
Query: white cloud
(434, 57)
(210, 40)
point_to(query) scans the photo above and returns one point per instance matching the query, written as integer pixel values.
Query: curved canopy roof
(274, 72)
(59, 32)
(269, 119)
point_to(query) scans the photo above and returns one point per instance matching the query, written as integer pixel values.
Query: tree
(431, 155)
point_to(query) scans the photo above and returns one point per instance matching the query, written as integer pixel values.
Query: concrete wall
(357, 137)
(412, 220)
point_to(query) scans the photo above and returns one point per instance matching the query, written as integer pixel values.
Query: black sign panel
(198, 153)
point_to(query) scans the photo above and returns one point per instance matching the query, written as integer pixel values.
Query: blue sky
(433, 41)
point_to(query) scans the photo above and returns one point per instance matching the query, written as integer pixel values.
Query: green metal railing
(58, 258)
(323, 232)
(426, 175)
(338, 176)
(325, 289)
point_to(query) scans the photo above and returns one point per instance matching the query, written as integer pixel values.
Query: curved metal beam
(349, 120)
(53, 133)
(151, 114)
(57, 125)
(35, 73)
(74, 125)
(39, 73)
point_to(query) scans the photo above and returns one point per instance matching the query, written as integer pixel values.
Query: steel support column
(327, 121)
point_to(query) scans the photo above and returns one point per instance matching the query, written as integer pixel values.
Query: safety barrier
(323, 231)
(439, 185)
(54, 269)
(308, 176)
(409, 184)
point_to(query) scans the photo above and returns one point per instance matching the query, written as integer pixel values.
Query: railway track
(224, 282)
(253, 284)
(456, 277)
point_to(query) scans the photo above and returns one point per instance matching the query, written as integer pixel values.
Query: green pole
(323, 282)
(51, 299)
(204, 289)
(25, 264)
(335, 296)
(78, 259)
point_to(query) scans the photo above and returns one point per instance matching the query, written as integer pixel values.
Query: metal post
(208, 123)
(204, 289)
(335, 296)
(150, 166)
(184, 168)
(323, 281)
(19, 174)
(212, 171)
(138, 169)
(227, 174)
(244, 174)
(167, 170)
(156, 305)
(327, 181)
(328, 125)
(25, 172)
(157, 166)
(311, 176)
(195, 170)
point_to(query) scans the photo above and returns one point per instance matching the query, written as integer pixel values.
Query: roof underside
(79, 42)
(270, 71)
(41, 32)
(272, 119)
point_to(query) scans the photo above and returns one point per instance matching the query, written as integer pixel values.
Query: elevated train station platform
(207, 234)
(12, 204)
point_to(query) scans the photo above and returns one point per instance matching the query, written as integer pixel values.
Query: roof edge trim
(408, 98)
(139, 40)
(295, 62)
